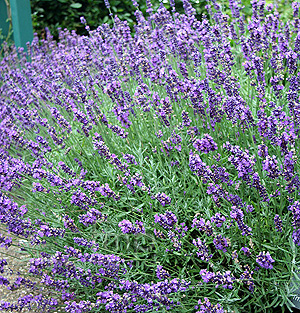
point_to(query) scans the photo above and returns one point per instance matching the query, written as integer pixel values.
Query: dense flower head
(161, 273)
(205, 144)
(221, 243)
(166, 220)
(3, 262)
(270, 165)
(295, 209)
(128, 228)
(278, 223)
(202, 249)
(207, 307)
(226, 279)
(247, 278)
(265, 260)
(218, 219)
(129, 158)
(5, 242)
(163, 199)
(203, 225)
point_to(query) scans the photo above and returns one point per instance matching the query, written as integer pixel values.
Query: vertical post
(21, 21)
(4, 25)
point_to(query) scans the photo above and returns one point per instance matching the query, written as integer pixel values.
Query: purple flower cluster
(247, 278)
(5, 242)
(3, 262)
(220, 243)
(241, 160)
(85, 243)
(166, 220)
(295, 209)
(225, 280)
(163, 199)
(161, 273)
(238, 216)
(155, 294)
(265, 260)
(218, 219)
(278, 223)
(202, 249)
(207, 307)
(91, 217)
(128, 228)
(270, 165)
(203, 226)
(129, 158)
(205, 144)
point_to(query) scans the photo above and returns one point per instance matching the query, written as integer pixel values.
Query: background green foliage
(66, 13)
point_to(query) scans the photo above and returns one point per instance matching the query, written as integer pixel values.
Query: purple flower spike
(278, 223)
(206, 306)
(218, 219)
(206, 144)
(265, 260)
(127, 227)
(163, 199)
(5, 242)
(202, 252)
(270, 165)
(4, 281)
(3, 262)
(167, 220)
(161, 273)
(221, 243)
(296, 237)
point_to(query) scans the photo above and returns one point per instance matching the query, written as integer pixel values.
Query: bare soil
(18, 265)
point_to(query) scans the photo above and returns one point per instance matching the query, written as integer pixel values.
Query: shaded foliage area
(66, 13)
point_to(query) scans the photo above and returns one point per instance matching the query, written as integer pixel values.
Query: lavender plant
(157, 172)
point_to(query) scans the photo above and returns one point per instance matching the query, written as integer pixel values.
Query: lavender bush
(157, 172)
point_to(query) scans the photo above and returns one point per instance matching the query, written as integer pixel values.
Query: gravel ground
(18, 263)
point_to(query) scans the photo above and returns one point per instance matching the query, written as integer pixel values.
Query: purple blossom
(265, 260)
(128, 228)
(225, 280)
(203, 226)
(246, 251)
(91, 217)
(206, 144)
(221, 243)
(218, 219)
(270, 165)
(246, 277)
(129, 158)
(202, 250)
(3, 262)
(163, 199)
(162, 273)
(238, 216)
(166, 220)
(295, 209)
(4, 281)
(296, 237)
(278, 223)
(262, 151)
(207, 307)
(5, 242)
